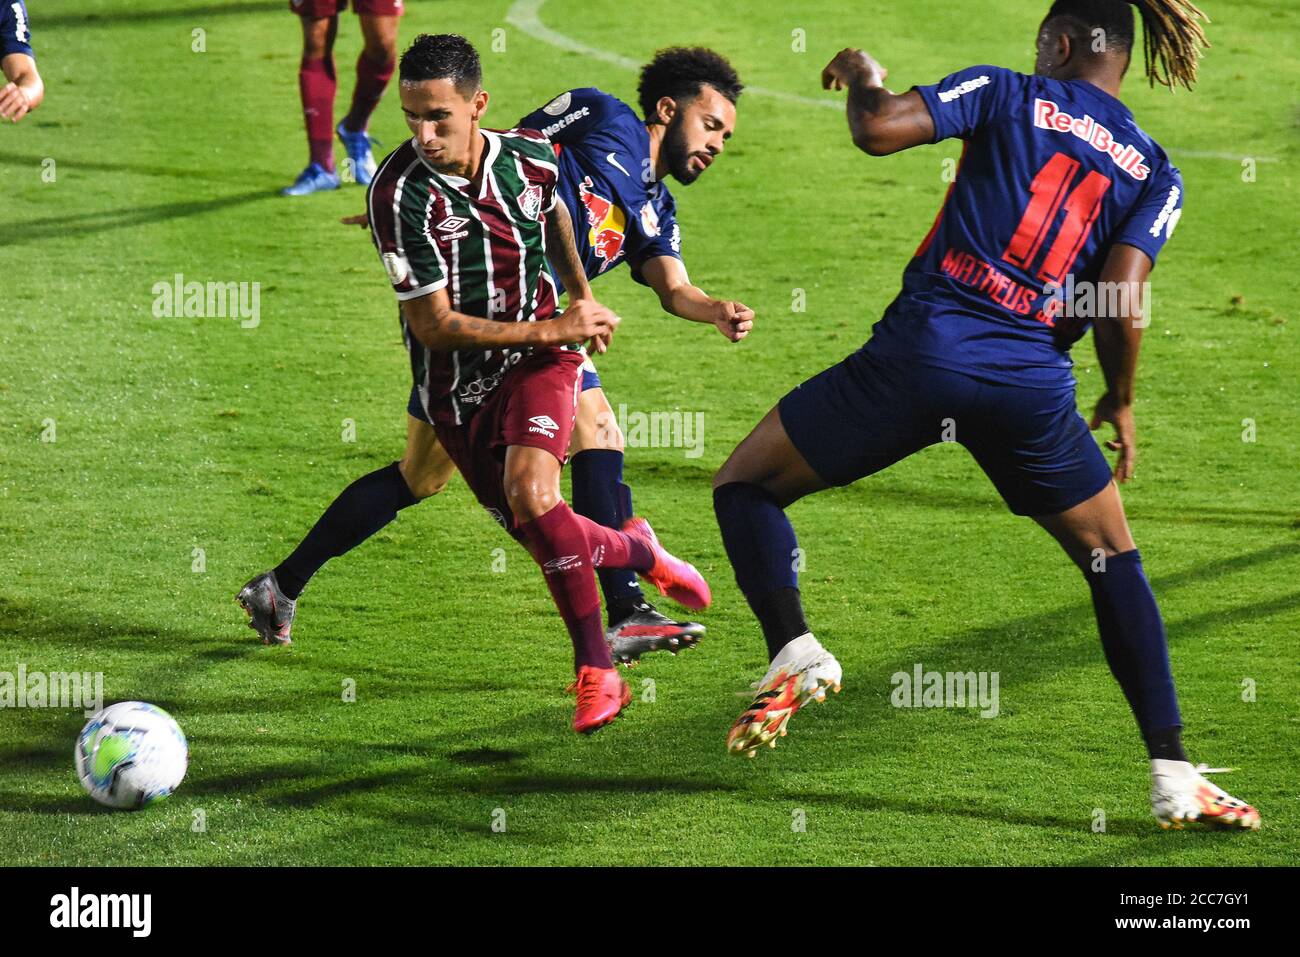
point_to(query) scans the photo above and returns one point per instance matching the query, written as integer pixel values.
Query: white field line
(526, 16)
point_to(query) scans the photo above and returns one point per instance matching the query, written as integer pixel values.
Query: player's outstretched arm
(667, 277)
(439, 327)
(25, 89)
(881, 122)
(1117, 339)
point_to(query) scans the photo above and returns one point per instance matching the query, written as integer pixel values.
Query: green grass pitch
(173, 435)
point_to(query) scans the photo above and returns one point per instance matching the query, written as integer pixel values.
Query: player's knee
(316, 41)
(734, 470)
(602, 433)
(382, 53)
(423, 483)
(427, 486)
(530, 496)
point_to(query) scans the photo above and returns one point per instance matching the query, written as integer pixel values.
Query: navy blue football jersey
(1053, 174)
(620, 211)
(15, 29)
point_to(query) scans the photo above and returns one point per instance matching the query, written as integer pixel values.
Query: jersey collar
(460, 182)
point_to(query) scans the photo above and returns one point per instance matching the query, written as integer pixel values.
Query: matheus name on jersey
(620, 210)
(484, 243)
(1053, 174)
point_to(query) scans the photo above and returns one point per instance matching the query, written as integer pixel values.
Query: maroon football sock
(559, 544)
(372, 80)
(318, 84)
(611, 548)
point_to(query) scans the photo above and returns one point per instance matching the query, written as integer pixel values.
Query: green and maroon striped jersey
(484, 243)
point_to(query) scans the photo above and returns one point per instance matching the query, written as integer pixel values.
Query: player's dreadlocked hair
(442, 56)
(1171, 32)
(679, 72)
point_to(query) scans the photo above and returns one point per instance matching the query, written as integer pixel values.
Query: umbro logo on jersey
(451, 224)
(544, 425)
(452, 228)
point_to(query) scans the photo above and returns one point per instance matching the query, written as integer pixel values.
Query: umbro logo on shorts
(543, 424)
(562, 563)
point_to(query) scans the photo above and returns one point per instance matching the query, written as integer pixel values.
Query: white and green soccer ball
(131, 754)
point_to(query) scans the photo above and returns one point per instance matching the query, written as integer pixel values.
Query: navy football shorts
(590, 380)
(869, 411)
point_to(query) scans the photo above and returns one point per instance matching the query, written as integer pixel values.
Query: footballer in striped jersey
(465, 220)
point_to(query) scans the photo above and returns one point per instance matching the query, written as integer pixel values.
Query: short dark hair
(1171, 29)
(442, 56)
(680, 72)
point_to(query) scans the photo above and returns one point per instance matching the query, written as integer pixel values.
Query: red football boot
(602, 694)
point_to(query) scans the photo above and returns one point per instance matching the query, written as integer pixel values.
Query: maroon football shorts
(535, 405)
(330, 8)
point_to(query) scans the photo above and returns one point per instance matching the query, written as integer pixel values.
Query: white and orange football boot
(803, 671)
(1180, 795)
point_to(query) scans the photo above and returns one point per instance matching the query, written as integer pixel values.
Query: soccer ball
(131, 754)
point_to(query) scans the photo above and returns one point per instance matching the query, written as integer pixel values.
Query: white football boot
(802, 671)
(1180, 795)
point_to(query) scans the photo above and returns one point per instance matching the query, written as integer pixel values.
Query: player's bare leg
(364, 507)
(763, 476)
(375, 65)
(1096, 536)
(635, 627)
(317, 84)
(425, 464)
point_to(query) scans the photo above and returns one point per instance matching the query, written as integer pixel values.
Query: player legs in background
(635, 627)
(317, 84)
(375, 67)
(361, 510)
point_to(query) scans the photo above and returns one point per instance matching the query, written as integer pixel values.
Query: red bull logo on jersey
(1049, 116)
(606, 223)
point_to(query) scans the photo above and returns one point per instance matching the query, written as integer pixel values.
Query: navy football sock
(761, 545)
(600, 495)
(1133, 638)
(362, 509)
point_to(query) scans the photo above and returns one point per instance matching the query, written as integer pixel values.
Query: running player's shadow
(986, 499)
(59, 227)
(31, 161)
(963, 808)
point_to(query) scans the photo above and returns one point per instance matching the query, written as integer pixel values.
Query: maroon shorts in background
(330, 8)
(535, 405)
